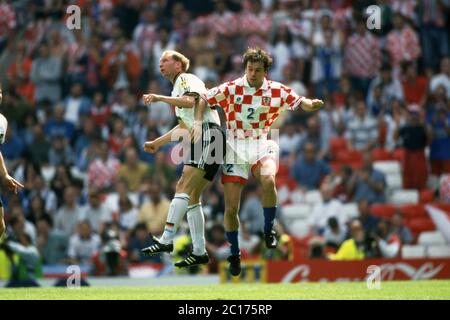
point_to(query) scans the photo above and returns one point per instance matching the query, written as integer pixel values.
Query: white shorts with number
(245, 155)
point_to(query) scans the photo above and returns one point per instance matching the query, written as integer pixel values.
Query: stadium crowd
(77, 123)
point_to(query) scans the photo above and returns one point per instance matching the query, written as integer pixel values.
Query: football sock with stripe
(177, 210)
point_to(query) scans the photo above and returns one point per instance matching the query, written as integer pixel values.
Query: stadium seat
(313, 197)
(398, 155)
(443, 206)
(296, 211)
(411, 211)
(413, 252)
(383, 210)
(426, 196)
(418, 225)
(388, 167)
(438, 251)
(298, 228)
(337, 144)
(428, 238)
(394, 181)
(350, 211)
(381, 155)
(349, 156)
(404, 196)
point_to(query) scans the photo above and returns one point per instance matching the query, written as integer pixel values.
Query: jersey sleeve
(218, 96)
(191, 85)
(3, 128)
(291, 100)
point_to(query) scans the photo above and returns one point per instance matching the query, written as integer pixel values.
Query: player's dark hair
(257, 55)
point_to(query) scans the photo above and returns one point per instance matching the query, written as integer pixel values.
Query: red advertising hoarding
(324, 270)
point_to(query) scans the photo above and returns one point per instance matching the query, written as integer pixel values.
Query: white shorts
(245, 155)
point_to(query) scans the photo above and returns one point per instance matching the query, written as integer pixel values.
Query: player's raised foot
(235, 265)
(271, 239)
(192, 260)
(157, 247)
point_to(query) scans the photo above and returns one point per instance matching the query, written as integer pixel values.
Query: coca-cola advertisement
(392, 269)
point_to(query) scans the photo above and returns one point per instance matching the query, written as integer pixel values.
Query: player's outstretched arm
(11, 183)
(311, 105)
(181, 102)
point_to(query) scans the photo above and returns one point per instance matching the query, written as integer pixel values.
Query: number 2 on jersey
(251, 111)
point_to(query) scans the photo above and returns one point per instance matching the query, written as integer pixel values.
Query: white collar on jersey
(264, 86)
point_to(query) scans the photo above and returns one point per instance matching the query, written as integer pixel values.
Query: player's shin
(196, 222)
(177, 210)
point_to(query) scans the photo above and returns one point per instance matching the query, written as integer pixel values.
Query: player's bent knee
(268, 182)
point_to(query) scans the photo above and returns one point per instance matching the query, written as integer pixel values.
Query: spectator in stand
(439, 129)
(281, 49)
(57, 125)
(132, 170)
(19, 73)
(341, 183)
(415, 139)
(140, 239)
(415, 87)
(121, 66)
(367, 219)
(96, 212)
(52, 244)
(76, 104)
(362, 131)
(323, 211)
(388, 243)
(153, 212)
(353, 248)
(290, 138)
(128, 214)
(434, 32)
(402, 43)
(39, 187)
(36, 209)
(307, 170)
(313, 134)
(39, 148)
(46, 73)
(398, 227)
(442, 78)
(83, 245)
(362, 57)
(326, 66)
(370, 184)
(391, 87)
(162, 171)
(68, 216)
(102, 171)
(334, 233)
(61, 152)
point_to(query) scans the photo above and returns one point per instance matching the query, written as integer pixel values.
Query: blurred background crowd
(77, 123)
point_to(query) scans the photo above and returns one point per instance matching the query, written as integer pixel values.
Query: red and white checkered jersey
(250, 113)
(403, 45)
(362, 56)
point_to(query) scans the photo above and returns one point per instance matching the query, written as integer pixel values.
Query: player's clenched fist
(149, 98)
(151, 147)
(311, 104)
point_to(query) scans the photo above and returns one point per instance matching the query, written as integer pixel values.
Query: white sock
(177, 210)
(196, 221)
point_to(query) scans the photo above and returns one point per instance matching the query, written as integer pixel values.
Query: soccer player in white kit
(9, 181)
(252, 103)
(193, 115)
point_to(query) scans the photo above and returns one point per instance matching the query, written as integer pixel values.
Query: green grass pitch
(434, 289)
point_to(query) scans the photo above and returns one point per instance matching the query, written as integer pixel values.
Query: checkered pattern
(250, 113)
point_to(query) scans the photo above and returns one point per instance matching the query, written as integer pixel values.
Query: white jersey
(185, 84)
(3, 128)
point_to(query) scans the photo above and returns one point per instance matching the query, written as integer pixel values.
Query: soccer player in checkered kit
(202, 124)
(252, 103)
(9, 181)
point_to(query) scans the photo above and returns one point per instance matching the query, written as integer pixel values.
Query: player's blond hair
(177, 56)
(257, 55)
